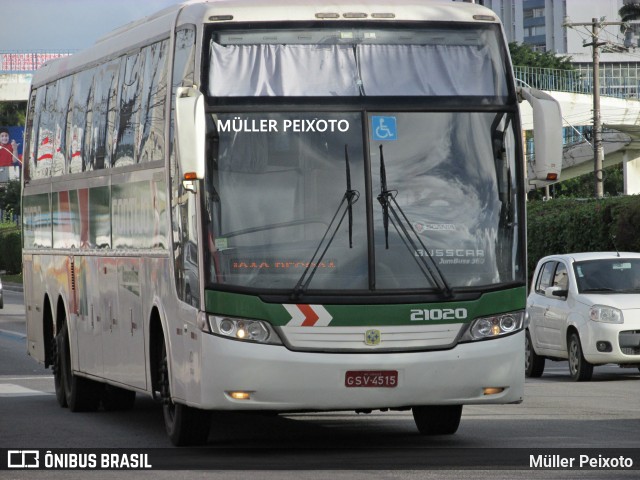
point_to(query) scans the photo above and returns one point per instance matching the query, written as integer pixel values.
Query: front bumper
(282, 380)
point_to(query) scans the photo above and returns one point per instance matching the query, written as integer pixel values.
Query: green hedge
(10, 250)
(568, 225)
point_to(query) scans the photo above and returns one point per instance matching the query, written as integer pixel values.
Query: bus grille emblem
(372, 337)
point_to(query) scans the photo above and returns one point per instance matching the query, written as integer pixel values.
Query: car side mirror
(552, 292)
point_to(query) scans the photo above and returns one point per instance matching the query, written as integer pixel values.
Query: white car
(585, 308)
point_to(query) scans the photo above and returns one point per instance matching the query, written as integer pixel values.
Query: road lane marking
(12, 335)
(12, 390)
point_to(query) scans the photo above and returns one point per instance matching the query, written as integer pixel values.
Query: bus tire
(58, 378)
(116, 398)
(184, 425)
(533, 363)
(437, 419)
(82, 394)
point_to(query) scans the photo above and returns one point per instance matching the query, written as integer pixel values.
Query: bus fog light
(240, 395)
(492, 390)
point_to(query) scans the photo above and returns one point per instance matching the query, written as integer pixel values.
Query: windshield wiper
(350, 197)
(390, 209)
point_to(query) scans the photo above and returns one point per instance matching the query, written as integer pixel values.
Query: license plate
(369, 378)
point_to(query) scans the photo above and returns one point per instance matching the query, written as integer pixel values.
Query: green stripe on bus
(249, 306)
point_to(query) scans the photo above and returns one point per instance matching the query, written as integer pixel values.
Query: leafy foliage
(10, 196)
(12, 113)
(583, 186)
(570, 225)
(525, 56)
(11, 251)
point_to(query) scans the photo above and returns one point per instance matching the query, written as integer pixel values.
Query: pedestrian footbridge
(620, 119)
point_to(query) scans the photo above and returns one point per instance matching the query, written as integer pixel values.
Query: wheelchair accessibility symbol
(384, 128)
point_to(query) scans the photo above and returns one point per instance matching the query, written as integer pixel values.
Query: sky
(68, 25)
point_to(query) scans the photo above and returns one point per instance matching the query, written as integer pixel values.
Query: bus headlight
(243, 329)
(494, 326)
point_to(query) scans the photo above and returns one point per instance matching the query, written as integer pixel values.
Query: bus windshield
(274, 194)
(361, 200)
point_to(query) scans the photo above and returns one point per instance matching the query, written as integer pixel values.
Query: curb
(13, 287)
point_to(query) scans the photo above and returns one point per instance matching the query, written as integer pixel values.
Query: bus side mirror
(547, 137)
(190, 133)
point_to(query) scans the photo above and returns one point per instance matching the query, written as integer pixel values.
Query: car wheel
(580, 369)
(533, 363)
(437, 419)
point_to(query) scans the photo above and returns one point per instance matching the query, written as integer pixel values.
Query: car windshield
(615, 275)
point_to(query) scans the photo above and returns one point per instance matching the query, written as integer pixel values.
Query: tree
(10, 196)
(629, 11)
(12, 113)
(582, 186)
(524, 55)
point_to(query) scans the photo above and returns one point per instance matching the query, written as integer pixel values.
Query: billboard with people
(11, 146)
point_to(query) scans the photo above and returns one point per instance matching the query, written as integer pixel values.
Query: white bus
(282, 206)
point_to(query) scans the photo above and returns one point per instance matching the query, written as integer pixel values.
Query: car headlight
(243, 329)
(484, 328)
(602, 313)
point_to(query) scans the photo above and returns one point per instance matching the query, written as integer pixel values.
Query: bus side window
(30, 136)
(185, 231)
(130, 107)
(79, 138)
(154, 94)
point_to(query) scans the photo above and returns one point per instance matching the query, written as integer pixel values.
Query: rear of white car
(585, 308)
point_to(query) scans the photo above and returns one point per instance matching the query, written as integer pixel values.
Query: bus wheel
(437, 419)
(58, 379)
(533, 363)
(116, 398)
(185, 425)
(82, 394)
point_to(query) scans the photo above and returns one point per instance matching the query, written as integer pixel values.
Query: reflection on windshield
(275, 192)
(273, 187)
(445, 173)
(617, 275)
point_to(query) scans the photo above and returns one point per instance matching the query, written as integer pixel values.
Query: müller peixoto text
(580, 461)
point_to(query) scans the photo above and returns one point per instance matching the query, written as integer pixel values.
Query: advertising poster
(11, 146)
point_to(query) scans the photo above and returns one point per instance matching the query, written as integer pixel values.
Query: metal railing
(576, 81)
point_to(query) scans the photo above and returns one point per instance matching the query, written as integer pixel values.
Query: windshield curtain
(277, 189)
(357, 62)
